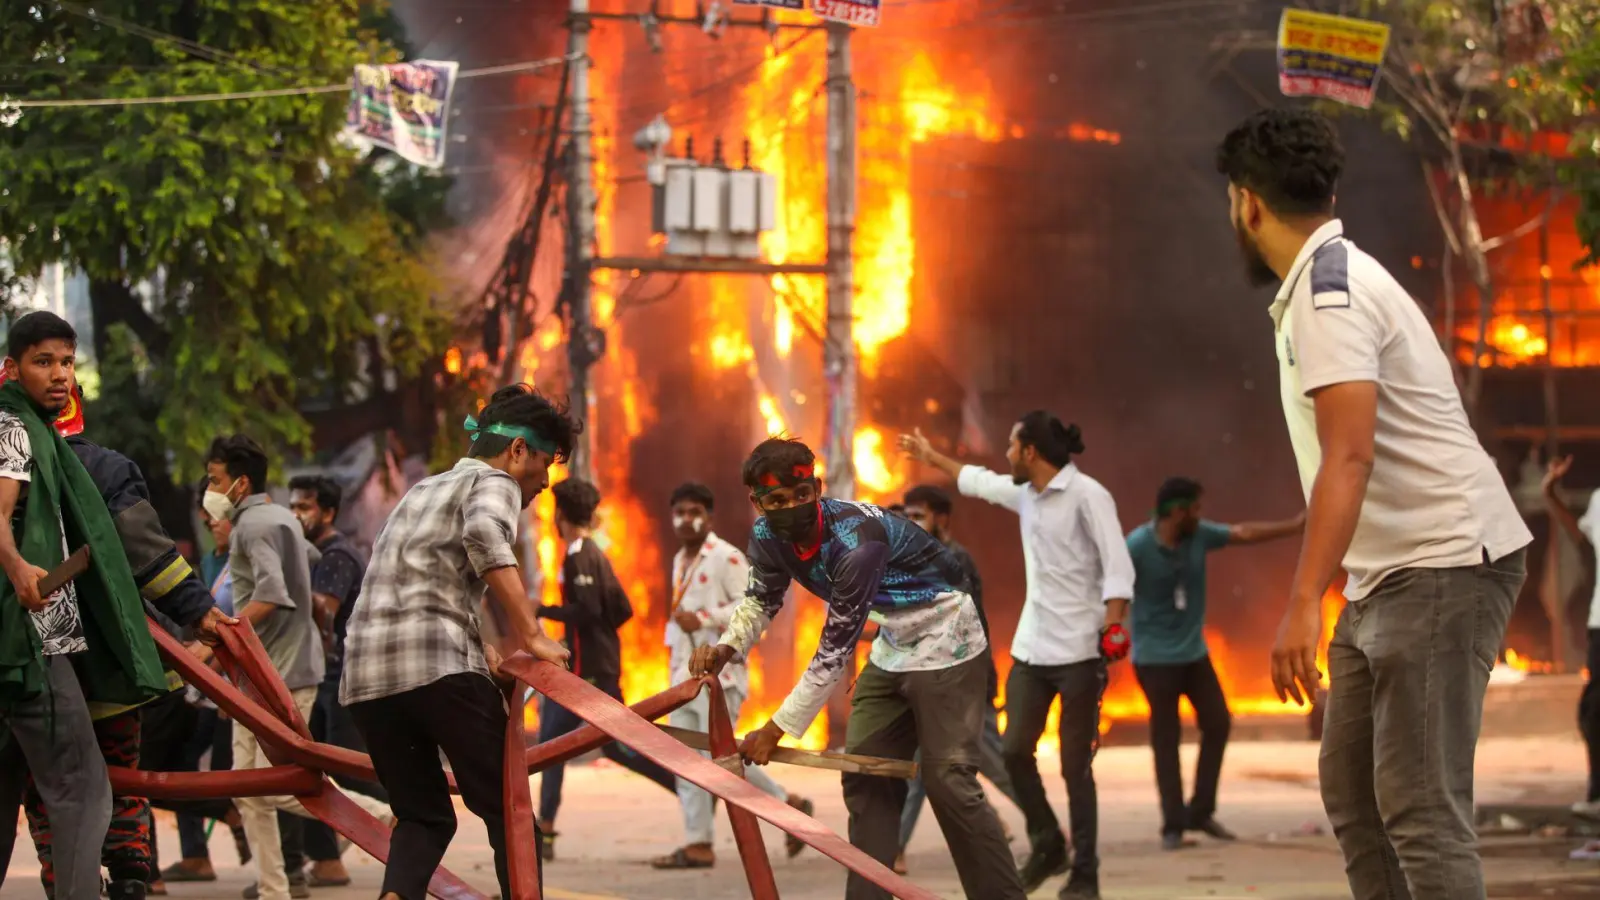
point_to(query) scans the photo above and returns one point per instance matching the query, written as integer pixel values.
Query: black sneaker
(1041, 866)
(547, 846)
(126, 889)
(1215, 829)
(1081, 887)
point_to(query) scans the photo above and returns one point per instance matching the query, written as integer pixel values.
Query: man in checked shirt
(417, 675)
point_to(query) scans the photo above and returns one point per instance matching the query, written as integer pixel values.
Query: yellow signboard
(1321, 55)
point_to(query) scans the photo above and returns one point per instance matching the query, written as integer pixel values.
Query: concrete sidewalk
(613, 822)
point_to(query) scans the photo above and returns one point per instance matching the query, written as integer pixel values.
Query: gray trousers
(1408, 666)
(893, 714)
(70, 773)
(991, 765)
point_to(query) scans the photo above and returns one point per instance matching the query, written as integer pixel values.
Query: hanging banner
(404, 107)
(1320, 55)
(776, 4)
(850, 12)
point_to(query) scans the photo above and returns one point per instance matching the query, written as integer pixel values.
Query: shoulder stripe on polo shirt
(1330, 276)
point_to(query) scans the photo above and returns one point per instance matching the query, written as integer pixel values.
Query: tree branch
(1439, 210)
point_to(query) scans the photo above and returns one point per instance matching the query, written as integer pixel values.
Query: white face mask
(218, 505)
(696, 523)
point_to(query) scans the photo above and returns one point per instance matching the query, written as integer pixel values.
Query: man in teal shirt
(1170, 657)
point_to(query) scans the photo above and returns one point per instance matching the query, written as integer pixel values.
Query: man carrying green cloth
(87, 640)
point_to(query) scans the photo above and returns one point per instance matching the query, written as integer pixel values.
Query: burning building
(1039, 226)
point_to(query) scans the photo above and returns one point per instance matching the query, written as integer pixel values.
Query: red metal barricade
(259, 700)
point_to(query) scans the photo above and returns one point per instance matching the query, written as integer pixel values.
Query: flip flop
(792, 844)
(679, 859)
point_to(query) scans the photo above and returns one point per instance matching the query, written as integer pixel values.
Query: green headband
(475, 431)
(1176, 503)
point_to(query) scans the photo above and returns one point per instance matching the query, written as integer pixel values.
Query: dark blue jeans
(210, 733)
(555, 721)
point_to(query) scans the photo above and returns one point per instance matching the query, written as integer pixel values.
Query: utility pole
(839, 346)
(582, 342)
(839, 349)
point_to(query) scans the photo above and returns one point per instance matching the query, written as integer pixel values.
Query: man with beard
(709, 576)
(1080, 580)
(417, 675)
(335, 584)
(1170, 658)
(1400, 492)
(923, 685)
(87, 641)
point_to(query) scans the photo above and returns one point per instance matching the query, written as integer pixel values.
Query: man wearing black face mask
(925, 684)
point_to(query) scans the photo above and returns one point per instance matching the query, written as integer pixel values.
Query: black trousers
(1589, 714)
(1030, 690)
(463, 715)
(1163, 685)
(332, 724)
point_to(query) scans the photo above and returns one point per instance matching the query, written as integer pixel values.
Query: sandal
(680, 859)
(792, 844)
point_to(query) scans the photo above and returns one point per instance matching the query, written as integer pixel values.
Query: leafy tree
(248, 271)
(1472, 84)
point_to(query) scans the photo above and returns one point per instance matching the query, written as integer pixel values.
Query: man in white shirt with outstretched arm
(1080, 579)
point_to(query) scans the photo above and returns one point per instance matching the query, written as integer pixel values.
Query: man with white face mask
(709, 577)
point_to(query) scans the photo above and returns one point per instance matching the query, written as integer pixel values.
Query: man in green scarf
(87, 640)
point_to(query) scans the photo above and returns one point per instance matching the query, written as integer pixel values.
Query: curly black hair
(576, 501)
(1290, 158)
(519, 404)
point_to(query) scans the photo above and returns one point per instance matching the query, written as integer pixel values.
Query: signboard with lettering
(404, 107)
(851, 12)
(1336, 57)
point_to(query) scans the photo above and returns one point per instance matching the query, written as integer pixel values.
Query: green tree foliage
(1483, 91)
(259, 265)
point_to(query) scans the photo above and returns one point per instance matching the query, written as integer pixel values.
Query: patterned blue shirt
(870, 564)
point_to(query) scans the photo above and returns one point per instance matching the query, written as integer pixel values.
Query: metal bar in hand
(812, 759)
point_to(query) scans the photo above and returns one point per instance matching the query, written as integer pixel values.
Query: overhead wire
(25, 103)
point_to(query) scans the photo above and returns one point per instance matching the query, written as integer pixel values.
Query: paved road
(613, 822)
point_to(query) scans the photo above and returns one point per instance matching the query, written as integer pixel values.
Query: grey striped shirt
(417, 618)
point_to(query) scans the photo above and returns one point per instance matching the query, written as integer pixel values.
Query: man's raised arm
(971, 480)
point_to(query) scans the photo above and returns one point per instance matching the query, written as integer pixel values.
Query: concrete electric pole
(839, 349)
(582, 341)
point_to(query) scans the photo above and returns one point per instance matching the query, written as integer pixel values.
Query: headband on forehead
(474, 431)
(1167, 506)
(769, 482)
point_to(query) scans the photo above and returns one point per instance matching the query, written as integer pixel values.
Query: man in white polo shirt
(1080, 580)
(1400, 492)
